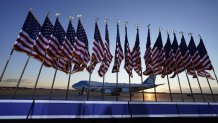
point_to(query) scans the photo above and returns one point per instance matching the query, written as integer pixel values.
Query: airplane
(110, 88)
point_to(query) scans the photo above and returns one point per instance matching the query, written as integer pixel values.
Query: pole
(51, 90)
(199, 84)
(210, 87)
(179, 83)
(215, 75)
(130, 92)
(6, 64)
(171, 98)
(27, 61)
(117, 88)
(34, 90)
(90, 75)
(68, 83)
(190, 86)
(180, 87)
(143, 89)
(103, 89)
(155, 93)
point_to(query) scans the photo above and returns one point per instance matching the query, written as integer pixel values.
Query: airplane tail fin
(150, 80)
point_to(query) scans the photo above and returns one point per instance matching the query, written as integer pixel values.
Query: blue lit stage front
(48, 109)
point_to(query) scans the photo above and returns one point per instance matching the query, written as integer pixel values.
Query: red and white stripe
(105, 64)
(24, 43)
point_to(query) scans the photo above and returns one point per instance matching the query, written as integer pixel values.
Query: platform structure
(65, 109)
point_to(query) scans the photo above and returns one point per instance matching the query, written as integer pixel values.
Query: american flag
(42, 42)
(81, 55)
(179, 64)
(157, 60)
(186, 58)
(27, 35)
(54, 48)
(169, 58)
(196, 61)
(98, 50)
(105, 64)
(69, 40)
(118, 57)
(128, 56)
(205, 60)
(136, 58)
(147, 56)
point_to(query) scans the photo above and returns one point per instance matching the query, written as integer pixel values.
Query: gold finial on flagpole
(30, 9)
(49, 12)
(148, 26)
(106, 21)
(190, 34)
(137, 26)
(118, 21)
(168, 31)
(96, 20)
(181, 32)
(160, 28)
(199, 36)
(126, 23)
(71, 18)
(79, 16)
(58, 14)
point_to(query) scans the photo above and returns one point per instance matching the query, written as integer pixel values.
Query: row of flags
(68, 51)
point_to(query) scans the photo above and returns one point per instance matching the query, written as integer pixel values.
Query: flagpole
(190, 86)
(188, 77)
(210, 87)
(155, 93)
(197, 76)
(117, 88)
(130, 93)
(178, 76)
(6, 64)
(215, 75)
(103, 89)
(27, 61)
(207, 79)
(90, 75)
(34, 90)
(179, 84)
(52, 86)
(143, 89)
(171, 97)
(68, 83)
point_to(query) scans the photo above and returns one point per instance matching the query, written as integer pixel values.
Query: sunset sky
(196, 16)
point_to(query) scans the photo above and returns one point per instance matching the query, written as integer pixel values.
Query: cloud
(16, 80)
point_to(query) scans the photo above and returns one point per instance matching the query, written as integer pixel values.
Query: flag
(136, 59)
(81, 53)
(42, 42)
(205, 60)
(98, 50)
(179, 64)
(68, 44)
(147, 56)
(157, 60)
(54, 48)
(169, 58)
(186, 57)
(128, 55)
(118, 57)
(105, 64)
(196, 61)
(28, 34)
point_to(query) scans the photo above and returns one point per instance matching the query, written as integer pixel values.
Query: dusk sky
(195, 16)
